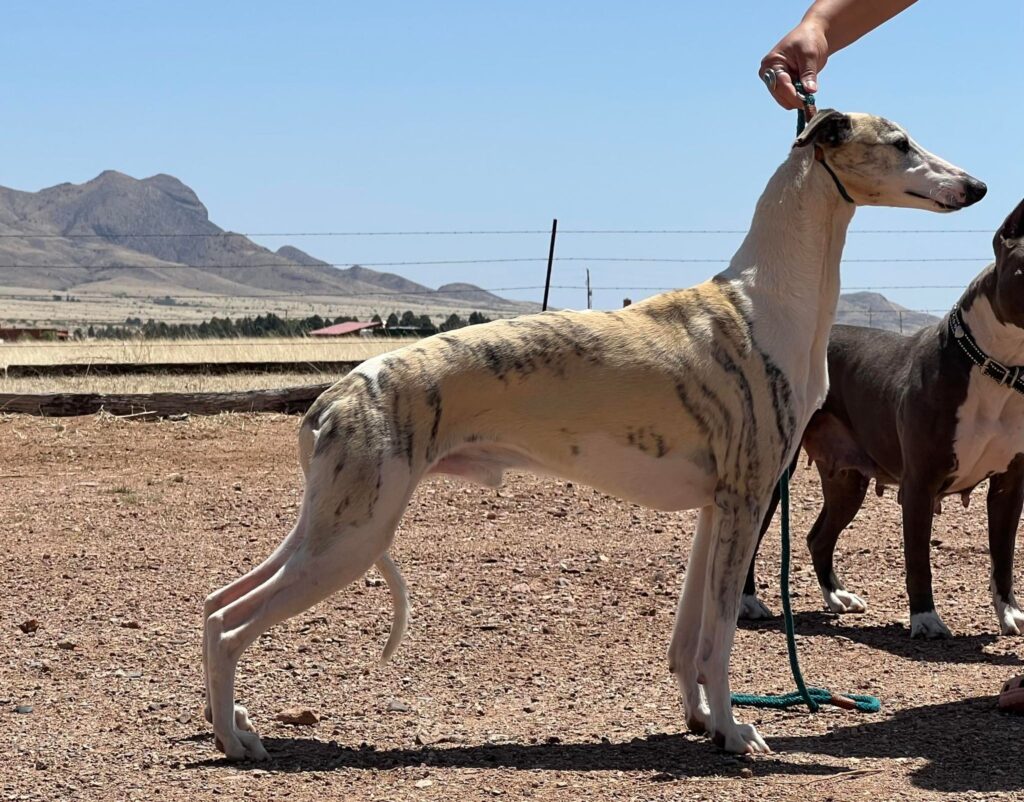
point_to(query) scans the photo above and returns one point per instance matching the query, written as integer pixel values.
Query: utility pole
(590, 292)
(551, 258)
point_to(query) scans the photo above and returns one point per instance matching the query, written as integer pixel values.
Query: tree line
(268, 325)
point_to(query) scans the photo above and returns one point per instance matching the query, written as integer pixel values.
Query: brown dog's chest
(989, 432)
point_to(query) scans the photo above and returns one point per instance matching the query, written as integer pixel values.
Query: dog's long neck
(1001, 341)
(788, 266)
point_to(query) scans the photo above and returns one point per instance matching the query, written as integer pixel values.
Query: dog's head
(1008, 245)
(880, 165)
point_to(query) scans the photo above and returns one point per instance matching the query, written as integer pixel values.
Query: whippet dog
(691, 399)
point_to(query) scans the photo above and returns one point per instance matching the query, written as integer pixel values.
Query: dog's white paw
(1011, 619)
(242, 745)
(928, 625)
(741, 739)
(752, 609)
(842, 601)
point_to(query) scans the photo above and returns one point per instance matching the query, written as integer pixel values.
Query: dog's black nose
(974, 191)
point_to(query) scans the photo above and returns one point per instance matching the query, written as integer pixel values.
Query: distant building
(346, 329)
(13, 335)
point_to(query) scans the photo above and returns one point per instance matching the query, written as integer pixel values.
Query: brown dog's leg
(918, 512)
(843, 494)
(1005, 502)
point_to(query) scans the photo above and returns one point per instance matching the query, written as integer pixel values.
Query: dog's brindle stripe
(453, 394)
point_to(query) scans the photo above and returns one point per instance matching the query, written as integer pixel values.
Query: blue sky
(345, 116)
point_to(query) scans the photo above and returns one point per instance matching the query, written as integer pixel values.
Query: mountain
(79, 242)
(876, 311)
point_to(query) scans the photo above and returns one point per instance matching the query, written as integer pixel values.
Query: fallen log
(289, 400)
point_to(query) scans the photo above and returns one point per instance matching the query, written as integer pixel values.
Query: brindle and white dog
(691, 399)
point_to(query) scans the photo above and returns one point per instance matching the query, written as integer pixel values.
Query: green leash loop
(812, 697)
(809, 102)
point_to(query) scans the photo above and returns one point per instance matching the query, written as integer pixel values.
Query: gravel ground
(535, 666)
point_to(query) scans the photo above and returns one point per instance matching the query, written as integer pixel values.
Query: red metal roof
(344, 328)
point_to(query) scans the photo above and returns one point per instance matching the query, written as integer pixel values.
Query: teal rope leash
(809, 103)
(812, 697)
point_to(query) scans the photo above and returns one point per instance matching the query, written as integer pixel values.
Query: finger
(785, 93)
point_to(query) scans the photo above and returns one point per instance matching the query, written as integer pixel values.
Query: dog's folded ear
(1011, 233)
(828, 128)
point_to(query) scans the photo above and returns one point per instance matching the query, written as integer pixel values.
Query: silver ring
(769, 77)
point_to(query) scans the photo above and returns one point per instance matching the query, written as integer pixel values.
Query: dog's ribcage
(663, 403)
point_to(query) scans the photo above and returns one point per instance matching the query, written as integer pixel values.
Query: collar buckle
(998, 371)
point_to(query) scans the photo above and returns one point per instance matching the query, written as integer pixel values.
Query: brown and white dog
(935, 413)
(690, 399)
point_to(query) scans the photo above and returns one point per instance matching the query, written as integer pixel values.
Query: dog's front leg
(1005, 502)
(918, 511)
(682, 653)
(733, 539)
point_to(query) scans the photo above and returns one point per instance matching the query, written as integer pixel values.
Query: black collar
(1012, 377)
(819, 156)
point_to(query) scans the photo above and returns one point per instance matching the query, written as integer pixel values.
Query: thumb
(809, 75)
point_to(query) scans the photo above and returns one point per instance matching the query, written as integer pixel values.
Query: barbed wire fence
(901, 318)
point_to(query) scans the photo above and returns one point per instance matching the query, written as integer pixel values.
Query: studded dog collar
(1008, 376)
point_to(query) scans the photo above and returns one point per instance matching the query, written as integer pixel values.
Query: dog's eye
(902, 145)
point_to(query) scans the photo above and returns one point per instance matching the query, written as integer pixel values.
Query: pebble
(521, 587)
(298, 716)
(423, 783)
(29, 626)
(394, 706)
(66, 643)
(23, 709)
(175, 477)
(746, 773)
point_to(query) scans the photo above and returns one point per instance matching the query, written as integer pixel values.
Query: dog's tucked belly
(668, 482)
(989, 432)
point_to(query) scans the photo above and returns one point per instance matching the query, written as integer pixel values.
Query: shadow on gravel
(894, 639)
(967, 745)
(667, 757)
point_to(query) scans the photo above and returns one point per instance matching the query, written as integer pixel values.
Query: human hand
(799, 55)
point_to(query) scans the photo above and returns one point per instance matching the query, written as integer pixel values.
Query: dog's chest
(989, 431)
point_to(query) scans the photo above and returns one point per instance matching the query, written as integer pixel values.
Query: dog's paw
(1011, 619)
(741, 739)
(697, 718)
(752, 609)
(242, 745)
(842, 601)
(928, 625)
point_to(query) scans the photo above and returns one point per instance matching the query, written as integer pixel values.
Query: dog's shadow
(895, 639)
(967, 745)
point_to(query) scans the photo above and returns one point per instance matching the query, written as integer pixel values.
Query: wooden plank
(289, 400)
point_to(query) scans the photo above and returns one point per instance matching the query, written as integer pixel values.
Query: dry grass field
(535, 667)
(155, 352)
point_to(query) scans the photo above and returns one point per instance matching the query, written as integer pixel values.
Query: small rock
(131, 625)
(491, 515)
(746, 773)
(23, 709)
(66, 643)
(175, 477)
(184, 718)
(298, 716)
(29, 626)
(423, 783)
(394, 706)
(373, 581)
(42, 765)
(237, 486)
(521, 587)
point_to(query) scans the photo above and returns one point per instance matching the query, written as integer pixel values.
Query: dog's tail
(400, 603)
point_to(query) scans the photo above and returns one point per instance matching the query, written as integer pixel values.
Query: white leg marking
(753, 609)
(1008, 614)
(842, 601)
(928, 625)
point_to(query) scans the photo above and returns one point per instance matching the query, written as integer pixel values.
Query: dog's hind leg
(682, 652)
(330, 555)
(843, 494)
(733, 539)
(751, 607)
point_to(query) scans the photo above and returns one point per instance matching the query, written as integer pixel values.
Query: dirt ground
(535, 666)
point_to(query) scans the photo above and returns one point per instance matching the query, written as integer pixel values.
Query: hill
(79, 241)
(874, 310)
